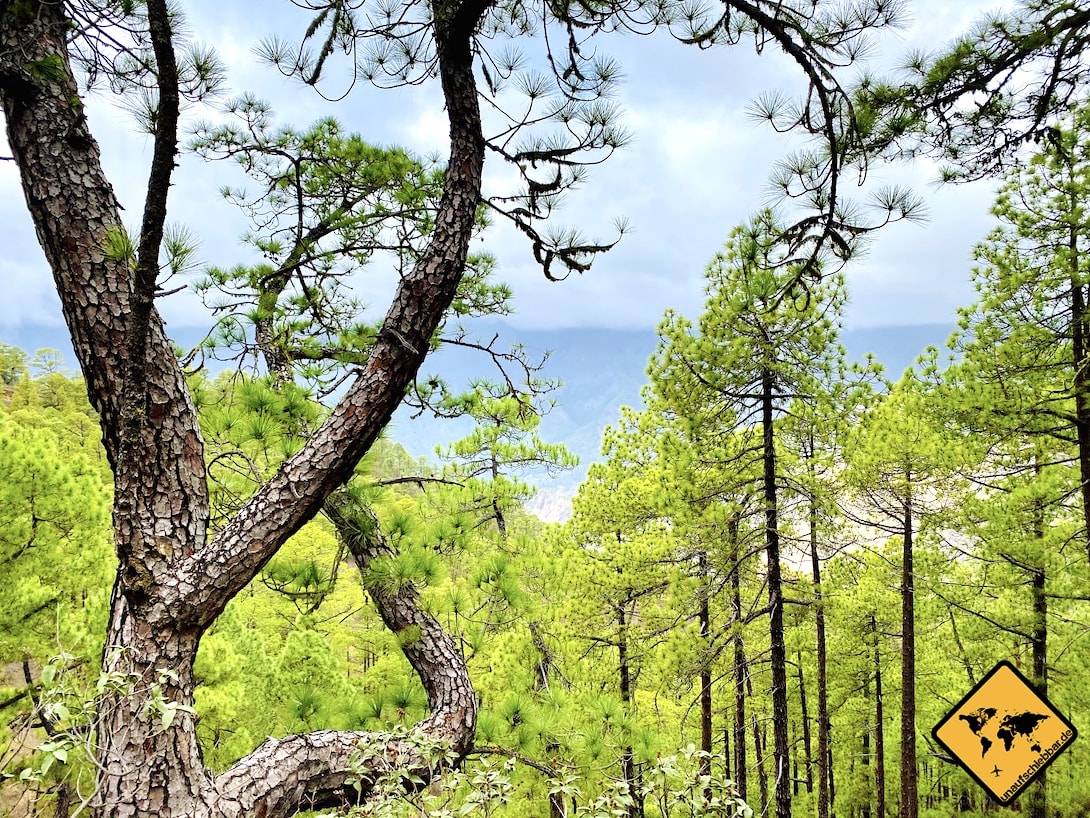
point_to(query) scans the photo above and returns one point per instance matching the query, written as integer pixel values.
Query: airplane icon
(996, 771)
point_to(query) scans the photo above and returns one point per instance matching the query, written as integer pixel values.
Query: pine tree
(900, 451)
(762, 343)
(1028, 335)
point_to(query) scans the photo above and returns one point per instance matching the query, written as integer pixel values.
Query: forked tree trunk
(173, 580)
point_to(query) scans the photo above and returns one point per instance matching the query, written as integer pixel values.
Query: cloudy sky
(696, 168)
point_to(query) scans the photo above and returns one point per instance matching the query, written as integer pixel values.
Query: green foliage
(13, 364)
(492, 785)
(326, 205)
(54, 541)
(585, 641)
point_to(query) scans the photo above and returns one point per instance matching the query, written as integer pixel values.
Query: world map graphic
(989, 725)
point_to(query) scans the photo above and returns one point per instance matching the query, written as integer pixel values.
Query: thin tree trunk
(1081, 376)
(865, 755)
(628, 759)
(760, 746)
(64, 800)
(1038, 796)
(909, 794)
(832, 781)
(780, 745)
(879, 729)
(961, 649)
(741, 674)
(497, 512)
(823, 750)
(759, 753)
(726, 752)
(705, 672)
(806, 746)
(741, 670)
(544, 664)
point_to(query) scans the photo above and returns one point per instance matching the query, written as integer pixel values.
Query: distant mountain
(897, 348)
(601, 370)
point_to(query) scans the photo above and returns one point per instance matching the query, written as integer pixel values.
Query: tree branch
(296, 493)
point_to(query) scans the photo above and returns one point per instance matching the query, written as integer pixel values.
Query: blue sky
(697, 167)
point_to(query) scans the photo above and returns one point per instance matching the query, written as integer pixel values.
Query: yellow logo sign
(1004, 733)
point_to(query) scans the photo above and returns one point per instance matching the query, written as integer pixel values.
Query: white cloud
(696, 168)
(29, 298)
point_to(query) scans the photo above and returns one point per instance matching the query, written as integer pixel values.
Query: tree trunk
(832, 781)
(879, 729)
(909, 796)
(497, 512)
(865, 755)
(705, 672)
(544, 666)
(64, 800)
(806, 746)
(741, 671)
(780, 745)
(965, 663)
(628, 758)
(1038, 796)
(172, 581)
(822, 674)
(726, 753)
(1080, 375)
(759, 753)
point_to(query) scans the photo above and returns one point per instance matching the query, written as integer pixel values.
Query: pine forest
(228, 591)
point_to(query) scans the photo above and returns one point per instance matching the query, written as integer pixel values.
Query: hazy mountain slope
(601, 370)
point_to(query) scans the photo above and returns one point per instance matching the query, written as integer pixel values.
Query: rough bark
(172, 580)
(431, 651)
(295, 494)
(308, 772)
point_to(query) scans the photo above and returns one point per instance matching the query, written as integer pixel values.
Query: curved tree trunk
(173, 580)
(313, 766)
